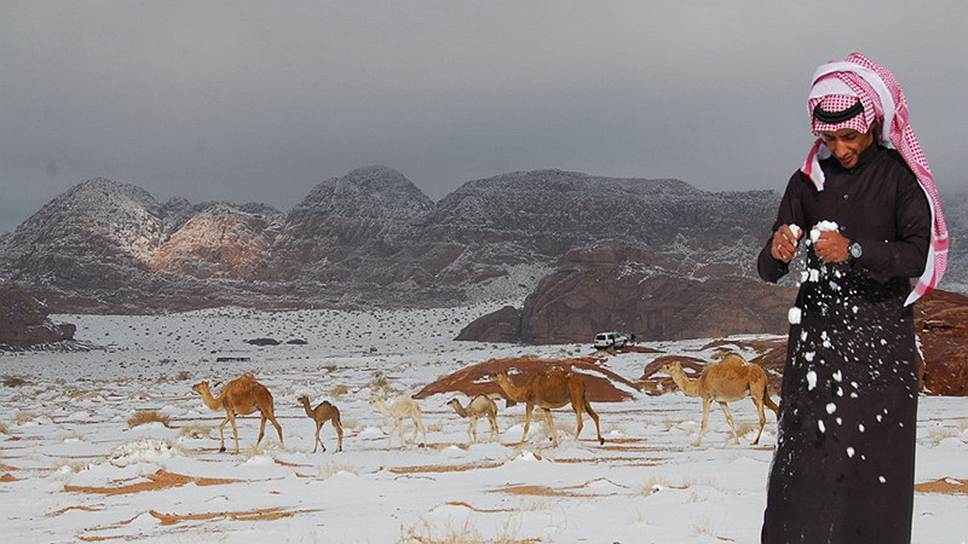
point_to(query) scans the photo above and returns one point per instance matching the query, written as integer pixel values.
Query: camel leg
(729, 420)
(221, 434)
(594, 416)
(759, 409)
(472, 430)
(339, 433)
(262, 429)
(550, 422)
(527, 421)
(319, 442)
(272, 419)
(492, 421)
(235, 433)
(423, 430)
(705, 418)
(581, 423)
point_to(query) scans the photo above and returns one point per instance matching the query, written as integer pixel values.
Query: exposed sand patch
(481, 510)
(947, 486)
(282, 463)
(419, 469)
(261, 514)
(159, 480)
(7, 477)
(544, 491)
(81, 507)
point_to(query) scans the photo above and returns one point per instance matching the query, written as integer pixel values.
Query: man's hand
(832, 247)
(784, 246)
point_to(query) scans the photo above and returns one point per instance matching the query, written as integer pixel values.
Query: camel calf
(729, 380)
(321, 414)
(401, 408)
(480, 406)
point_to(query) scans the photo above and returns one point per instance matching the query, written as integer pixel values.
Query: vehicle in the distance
(611, 339)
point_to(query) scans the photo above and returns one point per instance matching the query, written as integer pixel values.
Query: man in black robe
(843, 470)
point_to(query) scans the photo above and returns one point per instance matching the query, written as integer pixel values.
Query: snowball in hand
(821, 227)
(796, 230)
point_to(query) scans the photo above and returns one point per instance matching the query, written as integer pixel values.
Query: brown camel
(240, 397)
(729, 380)
(321, 414)
(553, 388)
(480, 406)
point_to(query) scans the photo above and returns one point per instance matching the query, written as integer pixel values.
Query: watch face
(855, 250)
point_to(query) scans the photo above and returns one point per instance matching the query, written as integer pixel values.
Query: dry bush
(331, 469)
(338, 391)
(24, 417)
(147, 416)
(183, 375)
(938, 433)
(703, 528)
(329, 368)
(745, 427)
(349, 423)
(3, 429)
(14, 381)
(424, 532)
(195, 431)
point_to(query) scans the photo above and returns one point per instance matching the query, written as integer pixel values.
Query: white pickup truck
(612, 339)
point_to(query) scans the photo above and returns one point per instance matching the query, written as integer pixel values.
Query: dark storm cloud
(248, 102)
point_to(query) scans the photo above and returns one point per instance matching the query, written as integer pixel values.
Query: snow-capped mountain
(372, 237)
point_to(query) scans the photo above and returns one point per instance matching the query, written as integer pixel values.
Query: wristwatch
(855, 250)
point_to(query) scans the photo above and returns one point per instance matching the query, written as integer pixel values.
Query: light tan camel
(731, 379)
(240, 397)
(480, 406)
(321, 414)
(401, 408)
(553, 388)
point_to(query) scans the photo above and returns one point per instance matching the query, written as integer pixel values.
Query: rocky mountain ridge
(372, 238)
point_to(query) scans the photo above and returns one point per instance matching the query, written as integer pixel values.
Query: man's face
(847, 144)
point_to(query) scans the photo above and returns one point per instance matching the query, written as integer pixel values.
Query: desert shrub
(195, 431)
(147, 416)
(14, 381)
(183, 375)
(338, 391)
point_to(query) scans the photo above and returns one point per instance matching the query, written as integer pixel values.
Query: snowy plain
(73, 470)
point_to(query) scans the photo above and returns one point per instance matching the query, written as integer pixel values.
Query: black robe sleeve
(790, 213)
(903, 257)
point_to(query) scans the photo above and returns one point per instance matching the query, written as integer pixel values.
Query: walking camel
(240, 397)
(729, 380)
(480, 406)
(401, 408)
(550, 389)
(321, 414)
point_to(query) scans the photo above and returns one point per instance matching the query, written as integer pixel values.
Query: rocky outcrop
(24, 322)
(620, 287)
(503, 325)
(941, 322)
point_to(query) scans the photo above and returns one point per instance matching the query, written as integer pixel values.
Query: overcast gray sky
(244, 101)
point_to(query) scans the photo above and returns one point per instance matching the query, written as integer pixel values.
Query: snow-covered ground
(71, 468)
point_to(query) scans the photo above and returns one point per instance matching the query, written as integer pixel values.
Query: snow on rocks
(143, 450)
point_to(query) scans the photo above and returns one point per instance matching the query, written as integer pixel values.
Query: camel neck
(307, 407)
(461, 411)
(689, 386)
(212, 402)
(516, 393)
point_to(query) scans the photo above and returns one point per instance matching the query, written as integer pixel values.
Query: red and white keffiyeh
(837, 86)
